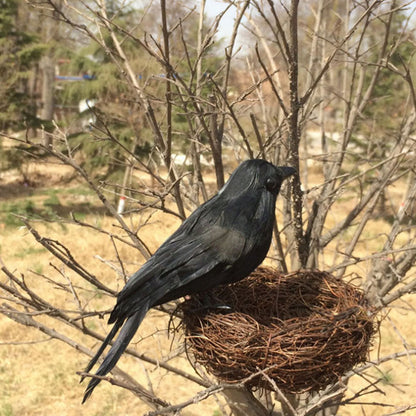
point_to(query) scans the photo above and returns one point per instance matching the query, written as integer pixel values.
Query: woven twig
(304, 330)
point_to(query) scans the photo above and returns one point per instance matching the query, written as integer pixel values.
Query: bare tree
(309, 91)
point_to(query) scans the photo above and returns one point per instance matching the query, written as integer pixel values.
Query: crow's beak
(286, 171)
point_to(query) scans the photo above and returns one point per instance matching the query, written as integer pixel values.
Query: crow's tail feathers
(107, 340)
(126, 334)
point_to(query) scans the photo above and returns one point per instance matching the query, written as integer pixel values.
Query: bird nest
(300, 331)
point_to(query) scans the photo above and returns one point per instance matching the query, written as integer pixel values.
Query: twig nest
(300, 331)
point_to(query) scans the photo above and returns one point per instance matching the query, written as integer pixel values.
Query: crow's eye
(272, 184)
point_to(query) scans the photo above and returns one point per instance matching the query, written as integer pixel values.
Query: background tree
(20, 53)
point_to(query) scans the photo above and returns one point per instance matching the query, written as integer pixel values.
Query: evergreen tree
(115, 103)
(389, 101)
(19, 53)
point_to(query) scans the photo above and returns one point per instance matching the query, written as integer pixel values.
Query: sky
(215, 7)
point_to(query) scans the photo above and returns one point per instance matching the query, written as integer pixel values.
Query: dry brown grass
(40, 378)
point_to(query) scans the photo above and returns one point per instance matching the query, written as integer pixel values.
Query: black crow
(221, 242)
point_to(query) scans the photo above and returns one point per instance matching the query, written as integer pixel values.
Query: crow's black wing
(187, 265)
(195, 258)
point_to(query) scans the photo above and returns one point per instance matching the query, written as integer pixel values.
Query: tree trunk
(243, 403)
(48, 81)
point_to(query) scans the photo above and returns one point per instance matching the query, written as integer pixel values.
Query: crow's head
(256, 175)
